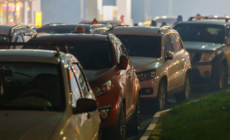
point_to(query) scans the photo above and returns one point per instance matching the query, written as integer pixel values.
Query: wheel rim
(187, 89)
(162, 97)
(122, 125)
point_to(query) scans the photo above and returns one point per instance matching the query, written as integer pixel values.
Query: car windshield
(201, 32)
(5, 38)
(141, 45)
(31, 86)
(61, 29)
(93, 54)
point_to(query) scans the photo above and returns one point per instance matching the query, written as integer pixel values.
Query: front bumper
(149, 88)
(201, 72)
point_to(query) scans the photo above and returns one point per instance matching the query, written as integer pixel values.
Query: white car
(162, 64)
(44, 96)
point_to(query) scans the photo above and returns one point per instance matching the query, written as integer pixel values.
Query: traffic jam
(91, 81)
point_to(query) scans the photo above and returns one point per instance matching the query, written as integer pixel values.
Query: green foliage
(207, 118)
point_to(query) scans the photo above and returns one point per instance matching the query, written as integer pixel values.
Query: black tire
(120, 128)
(135, 125)
(184, 95)
(161, 96)
(221, 79)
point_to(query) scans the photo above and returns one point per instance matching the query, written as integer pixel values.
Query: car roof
(136, 30)
(206, 21)
(30, 55)
(69, 37)
(5, 30)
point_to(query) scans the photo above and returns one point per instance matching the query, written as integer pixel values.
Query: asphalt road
(147, 111)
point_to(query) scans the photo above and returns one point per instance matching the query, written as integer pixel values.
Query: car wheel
(161, 96)
(184, 95)
(120, 130)
(222, 78)
(135, 125)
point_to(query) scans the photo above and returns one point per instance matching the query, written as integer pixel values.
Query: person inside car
(80, 29)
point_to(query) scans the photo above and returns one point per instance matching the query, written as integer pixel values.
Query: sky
(186, 8)
(68, 11)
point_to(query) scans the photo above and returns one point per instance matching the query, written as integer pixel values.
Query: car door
(171, 63)
(179, 56)
(128, 81)
(91, 118)
(82, 122)
(182, 61)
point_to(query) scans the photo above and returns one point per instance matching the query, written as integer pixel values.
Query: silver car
(45, 96)
(161, 62)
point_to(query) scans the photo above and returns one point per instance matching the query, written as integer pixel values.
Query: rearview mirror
(124, 61)
(169, 55)
(85, 105)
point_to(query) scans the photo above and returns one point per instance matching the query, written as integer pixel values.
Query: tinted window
(168, 44)
(74, 88)
(179, 42)
(101, 31)
(81, 79)
(140, 45)
(93, 54)
(31, 86)
(201, 32)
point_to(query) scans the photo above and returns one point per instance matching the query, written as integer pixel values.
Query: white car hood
(28, 125)
(144, 63)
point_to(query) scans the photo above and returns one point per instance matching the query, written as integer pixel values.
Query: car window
(168, 44)
(95, 32)
(179, 42)
(201, 32)
(81, 79)
(174, 42)
(123, 50)
(141, 45)
(74, 88)
(27, 38)
(31, 86)
(19, 39)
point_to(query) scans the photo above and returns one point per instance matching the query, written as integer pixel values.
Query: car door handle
(89, 115)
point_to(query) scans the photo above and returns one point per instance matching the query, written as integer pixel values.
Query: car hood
(98, 77)
(144, 63)
(201, 46)
(28, 125)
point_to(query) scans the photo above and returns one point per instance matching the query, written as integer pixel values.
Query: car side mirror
(85, 105)
(169, 55)
(124, 61)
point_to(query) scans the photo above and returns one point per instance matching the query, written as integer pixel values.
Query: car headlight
(207, 57)
(146, 75)
(103, 89)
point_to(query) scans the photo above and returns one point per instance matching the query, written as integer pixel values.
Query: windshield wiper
(9, 106)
